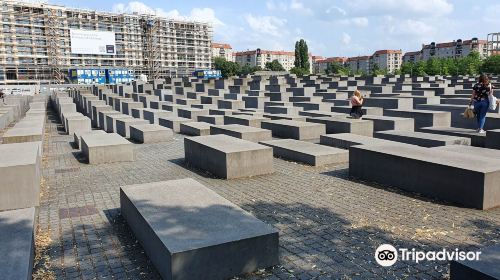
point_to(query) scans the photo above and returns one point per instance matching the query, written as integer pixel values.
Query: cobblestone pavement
(329, 225)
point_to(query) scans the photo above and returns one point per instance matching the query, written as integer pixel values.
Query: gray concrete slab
(195, 128)
(212, 119)
(173, 123)
(228, 157)
(344, 125)
(106, 148)
(20, 173)
(77, 136)
(346, 140)
(305, 152)
(150, 133)
(123, 125)
(493, 139)
(477, 139)
(190, 232)
(294, 129)
(486, 268)
(382, 123)
(248, 133)
(423, 118)
(421, 138)
(465, 179)
(17, 239)
(244, 120)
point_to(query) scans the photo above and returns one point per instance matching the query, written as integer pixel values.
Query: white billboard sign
(92, 42)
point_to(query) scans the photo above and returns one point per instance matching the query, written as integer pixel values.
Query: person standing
(480, 94)
(357, 105)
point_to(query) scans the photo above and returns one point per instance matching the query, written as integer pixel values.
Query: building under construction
(38, 45)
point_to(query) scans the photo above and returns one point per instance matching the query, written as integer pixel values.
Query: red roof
(412, 53)
(266, 52)
(332, 59)
(221, 46)
(388, 52)
(451, 44)
(357, 58)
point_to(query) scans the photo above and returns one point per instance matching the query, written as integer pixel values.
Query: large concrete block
(228, 157)
(382, 123)
(191, 113)
(195, 128)
(423, 118)
(477, 139)
(123, 125)
(77, 136)
(492, 139)
(309, 153)
(20, 173)
(345, 125)
(78, 123)
(213, 119)
(248, 133)
(153, 115)
(173, 123)
(486, 268)
(106, 148)
(190, 232)
(244, 120)
(17, 239)
(294, 129)
(111, 121)
(150, 133)
(346, 140)
(421, 138)
(465, 179)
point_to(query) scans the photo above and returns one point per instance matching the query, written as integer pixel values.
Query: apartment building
(36, 42)
(260, 57)
(222, 50)
(320, 64)
(359, 63)
(412, 57)
(387, 59)
(458, 48)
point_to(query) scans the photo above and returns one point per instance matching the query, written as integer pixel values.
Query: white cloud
(298, 6)
(401, 7)
(355, 21)
(336, 10)
(346, 38)
(197, 14)
(294, 6)
(267, 24)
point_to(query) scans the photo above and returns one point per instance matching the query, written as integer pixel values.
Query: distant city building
(456, 48)
(452, 49)
(387, 59)
(222, 50)
(359, 63)
(320, 64)
(412, 56)
(260, 57)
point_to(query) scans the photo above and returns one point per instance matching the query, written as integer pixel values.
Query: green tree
(227, 68)
(336, 68)
(376, 70)
(274, 65)
(433, 67)
(419, 69)
(302, 56)
(491, 65)
(299, 71)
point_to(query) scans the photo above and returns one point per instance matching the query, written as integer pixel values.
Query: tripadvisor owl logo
(386, 255)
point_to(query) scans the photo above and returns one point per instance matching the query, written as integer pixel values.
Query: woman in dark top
(480, 94)
(357, 105)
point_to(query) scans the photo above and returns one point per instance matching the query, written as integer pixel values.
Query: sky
(330, 27)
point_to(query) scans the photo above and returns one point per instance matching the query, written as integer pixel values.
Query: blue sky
(331, 27)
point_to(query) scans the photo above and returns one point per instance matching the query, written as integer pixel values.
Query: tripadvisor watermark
(387, 255)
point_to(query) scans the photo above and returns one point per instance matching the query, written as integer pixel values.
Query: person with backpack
(481, 95)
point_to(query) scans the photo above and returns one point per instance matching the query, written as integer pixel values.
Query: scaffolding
(35, 42)
(493, 44)
(152, 54)
(52, 33)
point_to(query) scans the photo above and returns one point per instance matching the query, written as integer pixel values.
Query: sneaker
(481, 131)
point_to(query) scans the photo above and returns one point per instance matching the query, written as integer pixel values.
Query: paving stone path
(329, 225)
